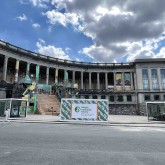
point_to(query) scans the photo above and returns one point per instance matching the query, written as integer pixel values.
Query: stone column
(131, 80)
(106, 80)
(114, 75)
(149, 79)
(16, 71)
(73, 78)
(135, 80)
(90, 97)
(47, 75)
(56, 76)
(125, 98)
(64, 78)
(28, 69)
(107, 98)
(159, 79)
(82, 85)
(123, 82)
(90, 84)
(98, 97)
(37, 74)
(98, 80)
(5, 68)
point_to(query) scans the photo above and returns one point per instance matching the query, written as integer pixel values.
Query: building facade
(127, 86)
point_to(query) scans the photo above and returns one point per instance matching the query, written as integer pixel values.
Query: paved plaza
(112, 119)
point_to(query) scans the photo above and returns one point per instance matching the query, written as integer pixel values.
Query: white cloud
(51, 50)
(98, 53)
(78, 59)
(39, 3)
(67, 50)
(118, 28)
(22, 18)
(36, 25)
(49, 28)
(64, 19)
(161, 53)
(41, 41)
(137, 50)
(23, 2)
(60, 4)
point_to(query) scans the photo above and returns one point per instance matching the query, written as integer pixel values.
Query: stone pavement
(112, 120)
(126, 119)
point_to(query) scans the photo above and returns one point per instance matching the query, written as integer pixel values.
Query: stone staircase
(45, 102)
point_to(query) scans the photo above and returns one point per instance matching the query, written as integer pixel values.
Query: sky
(102, 31)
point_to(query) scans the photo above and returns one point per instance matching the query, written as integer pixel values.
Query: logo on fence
(77, 109)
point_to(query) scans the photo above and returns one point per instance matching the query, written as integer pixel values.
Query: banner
(118, 79)
(127, 79)
(84, 110)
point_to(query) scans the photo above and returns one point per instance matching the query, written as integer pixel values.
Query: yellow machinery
(29, 92)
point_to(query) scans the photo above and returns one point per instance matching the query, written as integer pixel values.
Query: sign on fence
(84, 109)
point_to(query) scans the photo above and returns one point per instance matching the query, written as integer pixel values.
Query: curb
(156, 125)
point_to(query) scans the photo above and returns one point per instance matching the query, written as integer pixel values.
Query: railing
(150, 90)
(11, 47)
(100, 91)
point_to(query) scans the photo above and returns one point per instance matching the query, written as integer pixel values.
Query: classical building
(127, 86)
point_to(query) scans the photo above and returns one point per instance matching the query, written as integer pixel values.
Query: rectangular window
(103, 97)
(147, 97)
(127, 79)
(164, 97)
(120, 98)
(156, 97)
(86, 97)
(145, 79)
(129, 98)
(118, 79)
(154, 79)
(94, 97)
(163, 78)
(111, 99)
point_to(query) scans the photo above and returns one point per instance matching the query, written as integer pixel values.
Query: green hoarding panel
(84, 109)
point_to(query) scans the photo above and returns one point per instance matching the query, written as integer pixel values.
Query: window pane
(145, 78)
(127, 78)
(111, 98)
(154, 79)
(86, 97)
(129, 98)
(120, 98)
(163, 78)
(102, 97)
(147, 97)
(156, 97)
(145, 73)
(94, 97)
